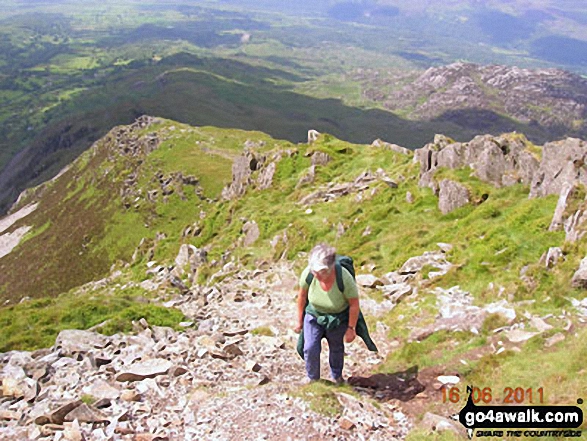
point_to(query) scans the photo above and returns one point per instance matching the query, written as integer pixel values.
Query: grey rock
(565, 196)
(313, 135)
(540, 324)
(58, 416)
(145, 369)
(555, 339)
(308, 177)
(78, 341)
(25, 388)
(519, 336)
(252, 366)
(574, 226)
(561, 167)
(320, 158)
(433, 259)
(393, 147)
(452, 195)
(251, 232)
(265, 178)
(503, 309)
(409, 197)
(445, 247)
(73, 432)
(551, 257)
(189, 259)
(368, 280)
(86, 414)
(579, 279)
(499, 160)
(242, 169)
(396, 291)
(101, 389)
(437, 423)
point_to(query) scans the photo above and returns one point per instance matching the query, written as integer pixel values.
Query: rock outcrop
(562, 166)
(550, 98)
(252, 169)
(501, 161)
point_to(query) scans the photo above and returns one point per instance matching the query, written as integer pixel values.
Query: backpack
(339, 262)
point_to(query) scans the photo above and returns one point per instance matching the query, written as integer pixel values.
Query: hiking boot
(308, 380)
(338, 381)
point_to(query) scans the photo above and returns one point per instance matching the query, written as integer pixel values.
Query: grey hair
(323, 253)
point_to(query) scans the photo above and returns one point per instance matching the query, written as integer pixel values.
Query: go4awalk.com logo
(521, 421)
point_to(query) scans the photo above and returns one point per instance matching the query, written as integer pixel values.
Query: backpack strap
(309, 278)
(339, 281)
(337, 270)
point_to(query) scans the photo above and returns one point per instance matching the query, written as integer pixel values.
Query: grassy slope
(492, 242)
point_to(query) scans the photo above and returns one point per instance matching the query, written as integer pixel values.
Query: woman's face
(323, 274)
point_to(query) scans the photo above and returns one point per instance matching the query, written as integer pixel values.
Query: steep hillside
(469, 255)
(479, 96)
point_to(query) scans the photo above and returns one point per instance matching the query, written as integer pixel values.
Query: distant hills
(69, 74)
(479, 96)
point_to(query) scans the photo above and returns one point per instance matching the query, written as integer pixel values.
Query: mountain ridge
(469, 256)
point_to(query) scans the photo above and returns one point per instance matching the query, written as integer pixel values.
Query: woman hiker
(328, 307)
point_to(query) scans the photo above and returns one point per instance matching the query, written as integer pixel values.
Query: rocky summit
(467, 93)
(470, 260)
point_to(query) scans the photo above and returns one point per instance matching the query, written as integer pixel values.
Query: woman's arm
(302, 300)
(351, 332)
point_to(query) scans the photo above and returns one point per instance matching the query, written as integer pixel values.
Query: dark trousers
(313, 334)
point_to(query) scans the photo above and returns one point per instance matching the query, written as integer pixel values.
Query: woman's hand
(298, 328)
(349, 335)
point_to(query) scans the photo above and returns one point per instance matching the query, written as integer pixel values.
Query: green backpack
(339, 262)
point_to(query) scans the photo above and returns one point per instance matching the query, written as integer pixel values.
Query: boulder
(396, 291)
(564, 198)
(145, 369)
(320, 158)
(251, 232)
(579, 279)
(519, 336)
(503, 309)
(313, 135)
(561, 167)
(368, 280)
(452, 195)
(575, 225)
(58, 415)
(101, 389)
(78, 341)
(265, 178)
(86, 414)
(551, 257)
(556, 338)
(433, 259)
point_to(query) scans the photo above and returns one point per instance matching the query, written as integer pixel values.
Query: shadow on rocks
(403, 386)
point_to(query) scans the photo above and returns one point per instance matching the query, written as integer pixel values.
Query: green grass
(36, 323)
(321, 396)
(263, 330)
(562, 372)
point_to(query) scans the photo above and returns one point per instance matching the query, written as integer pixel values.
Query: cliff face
(551, 98)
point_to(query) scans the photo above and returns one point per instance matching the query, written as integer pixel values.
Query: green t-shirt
(332, 301)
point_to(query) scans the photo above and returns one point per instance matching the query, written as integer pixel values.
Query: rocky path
(236, 377)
